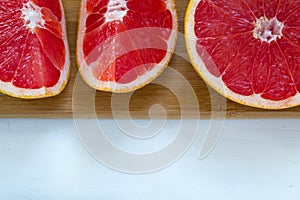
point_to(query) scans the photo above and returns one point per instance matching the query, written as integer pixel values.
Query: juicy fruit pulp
(253, 47)
(122, 42)
(34, 56)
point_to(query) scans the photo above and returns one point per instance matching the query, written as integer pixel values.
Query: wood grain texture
(142, 100)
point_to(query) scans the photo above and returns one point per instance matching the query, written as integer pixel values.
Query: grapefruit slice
(34, 57)
(247, 50)
(125, 44)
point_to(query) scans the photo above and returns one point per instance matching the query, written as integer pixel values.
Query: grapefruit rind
(216, 83)
(141, 81)
(44, 92)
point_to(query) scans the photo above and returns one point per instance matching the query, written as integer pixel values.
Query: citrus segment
(34, 69)
(123, 45)
(256, 7)
(54, 6)
(52, 46)
(247, 50)
(287, 9)
(34, 58)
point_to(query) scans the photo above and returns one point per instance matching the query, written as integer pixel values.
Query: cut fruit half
(124, 44)
(34, 56)
(247, 50)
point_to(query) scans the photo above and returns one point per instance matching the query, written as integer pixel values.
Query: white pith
(12, 90)
(116, 10)
(263, 29)
(32, 16)
(113, 86)
(217, 83)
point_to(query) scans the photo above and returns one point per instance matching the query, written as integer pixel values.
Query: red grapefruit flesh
(125, 44)
(34, 57)
(247, 50)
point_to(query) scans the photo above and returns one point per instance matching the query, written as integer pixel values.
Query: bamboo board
(142, 100)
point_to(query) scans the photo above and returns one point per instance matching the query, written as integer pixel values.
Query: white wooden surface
(44, 160)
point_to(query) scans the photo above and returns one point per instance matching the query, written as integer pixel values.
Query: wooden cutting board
(142, 100)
